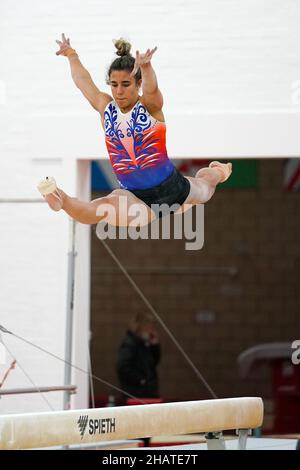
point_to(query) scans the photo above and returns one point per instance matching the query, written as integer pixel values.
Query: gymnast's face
(124, 88)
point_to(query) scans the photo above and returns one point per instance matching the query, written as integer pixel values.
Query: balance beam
(58, 428)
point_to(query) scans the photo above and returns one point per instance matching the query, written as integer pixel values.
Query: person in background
(138, 357)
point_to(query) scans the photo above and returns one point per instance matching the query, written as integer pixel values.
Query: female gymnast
(135, 136)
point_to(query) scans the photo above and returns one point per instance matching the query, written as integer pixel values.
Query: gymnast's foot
(51, 193)
(225, 169)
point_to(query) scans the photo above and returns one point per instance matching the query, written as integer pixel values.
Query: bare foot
(225, 169)
(55, 200)
(51, 193)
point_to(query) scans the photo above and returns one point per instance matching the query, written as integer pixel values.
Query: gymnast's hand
(142, 59)
(64, 45)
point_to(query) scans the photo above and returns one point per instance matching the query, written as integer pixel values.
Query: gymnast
(135, 136)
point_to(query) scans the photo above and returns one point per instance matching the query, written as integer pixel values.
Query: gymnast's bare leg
(204, 184)
(119, 208)
(122, 208)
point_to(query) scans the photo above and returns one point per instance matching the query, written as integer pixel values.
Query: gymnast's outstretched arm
(151, 93)
(82, 77)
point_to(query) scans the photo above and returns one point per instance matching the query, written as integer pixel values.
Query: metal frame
(216, 441)
(54, 388)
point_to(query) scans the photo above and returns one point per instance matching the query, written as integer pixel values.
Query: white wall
(229, 72)
(33, 278)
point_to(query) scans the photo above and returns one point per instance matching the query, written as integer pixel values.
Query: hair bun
(123, 47)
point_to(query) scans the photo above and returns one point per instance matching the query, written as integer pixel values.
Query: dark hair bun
(123, 47)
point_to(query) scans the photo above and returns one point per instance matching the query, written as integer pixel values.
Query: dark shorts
(173, 190)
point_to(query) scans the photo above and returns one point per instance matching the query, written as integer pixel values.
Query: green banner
(244, 174)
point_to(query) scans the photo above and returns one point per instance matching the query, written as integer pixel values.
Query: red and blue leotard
(136, 143)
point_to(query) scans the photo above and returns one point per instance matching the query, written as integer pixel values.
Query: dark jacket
(136, 366)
